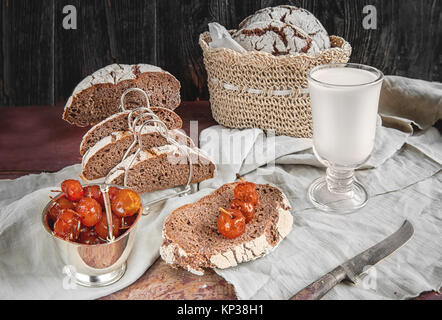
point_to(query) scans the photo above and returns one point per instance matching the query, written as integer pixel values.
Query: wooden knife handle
(319, 288)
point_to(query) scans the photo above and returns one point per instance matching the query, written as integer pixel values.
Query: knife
(353, 268)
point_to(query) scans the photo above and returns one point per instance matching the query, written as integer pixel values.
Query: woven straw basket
(259, 90)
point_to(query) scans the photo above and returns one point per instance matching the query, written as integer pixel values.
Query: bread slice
(119, 122)
(191, 239)
(98, 96)
(109, 151)
(162, 168)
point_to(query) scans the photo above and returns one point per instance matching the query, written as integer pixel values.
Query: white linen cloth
(221, 38)
(403, 179)
(407, 185)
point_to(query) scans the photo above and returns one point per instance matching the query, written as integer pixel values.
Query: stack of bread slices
(154, 158)
(157, 165)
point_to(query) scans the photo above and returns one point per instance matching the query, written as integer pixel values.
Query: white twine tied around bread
(147, 110)
(123, 96)
(161, 128)
(133, 126)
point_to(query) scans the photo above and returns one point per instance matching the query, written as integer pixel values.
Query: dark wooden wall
(41, 62)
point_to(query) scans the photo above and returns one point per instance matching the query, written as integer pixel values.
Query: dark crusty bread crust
(191, 238)
(98, 96)
(298, 17)
(153, 169)
(119, 122)
(109, 151)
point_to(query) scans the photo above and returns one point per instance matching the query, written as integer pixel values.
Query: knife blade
(352, 269)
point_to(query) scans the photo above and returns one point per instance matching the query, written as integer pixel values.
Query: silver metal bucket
(95, 265)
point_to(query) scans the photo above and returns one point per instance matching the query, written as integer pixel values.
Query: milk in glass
(344, 109)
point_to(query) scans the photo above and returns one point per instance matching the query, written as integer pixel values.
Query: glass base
(337, 203)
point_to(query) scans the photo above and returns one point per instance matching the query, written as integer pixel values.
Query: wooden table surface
(36, 139)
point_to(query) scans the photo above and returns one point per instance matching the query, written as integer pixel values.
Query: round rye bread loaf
(276, 37)
(191, 239)
(294, 16)
(119, 122)
(98, 96)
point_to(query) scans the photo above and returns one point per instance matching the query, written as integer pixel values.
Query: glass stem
(340, 181)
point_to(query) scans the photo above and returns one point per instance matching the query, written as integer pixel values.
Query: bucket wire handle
(138, 140)
(135, 138)
(123, 96)
(161, 128)
(146, 112)
(104, 188)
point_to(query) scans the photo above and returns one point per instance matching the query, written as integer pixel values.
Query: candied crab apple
(90, 211)
(113, 192)
(126, 203)
(72, 189)
(79, 214)
(231, 223)
(246, 208)
(67, 225)
(94, 192)
(101, 226)
(89, 236)
(58, 206)
(246, 191)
